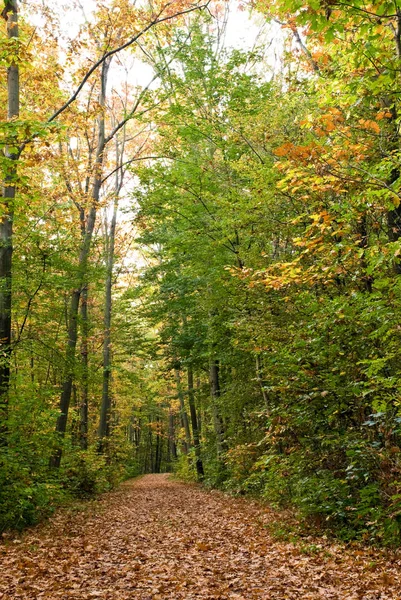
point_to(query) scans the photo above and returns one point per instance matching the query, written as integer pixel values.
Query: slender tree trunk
(10, 14)
(394, 216)
(104, 425)
(184, 445)
(159, 447)
(151, 461)
(171, 437)
(75, 438)
(65, 398)
(192, 409)
(84, 406)
(198, 396)
(364, 244)
(215, 395)
(183, 412)
(136, 431)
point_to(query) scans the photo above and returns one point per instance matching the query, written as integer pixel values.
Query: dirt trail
(157, 539)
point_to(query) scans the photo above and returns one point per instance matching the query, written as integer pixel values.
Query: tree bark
(104, 425)
(84, 408)
(183, 413)
(171, 438)
(215, 395)
(159, 447)
(10, 14)
(394, 216)
(192, 409)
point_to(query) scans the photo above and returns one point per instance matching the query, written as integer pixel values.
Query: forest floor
(155, 539)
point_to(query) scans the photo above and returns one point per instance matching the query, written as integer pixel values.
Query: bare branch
(110, 53)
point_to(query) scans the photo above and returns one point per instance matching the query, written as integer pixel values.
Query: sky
(243, 30)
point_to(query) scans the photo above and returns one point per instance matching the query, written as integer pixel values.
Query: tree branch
(118, 49)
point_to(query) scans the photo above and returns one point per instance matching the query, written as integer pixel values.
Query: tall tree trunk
(199, 415)
(151, 461)
(159, 447)
(367, 280)
(394, 216)
(192, 409)
(10, 14)
(65, 398)
(104, 424)
(84, 406)
(215, 395)
(171, 438)
(183, 412)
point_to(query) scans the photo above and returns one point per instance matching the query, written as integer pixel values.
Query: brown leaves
(158, 539)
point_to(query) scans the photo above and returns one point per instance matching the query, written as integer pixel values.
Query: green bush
(185, 467)
(25, 496)
(86, 473)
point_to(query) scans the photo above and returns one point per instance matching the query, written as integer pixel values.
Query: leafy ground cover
(155, 538)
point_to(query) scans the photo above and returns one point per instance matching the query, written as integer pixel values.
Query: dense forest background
(201, 273)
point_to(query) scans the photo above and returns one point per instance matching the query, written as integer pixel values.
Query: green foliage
(275, 260)
(185, 468)
(26, 496)
(86, 473)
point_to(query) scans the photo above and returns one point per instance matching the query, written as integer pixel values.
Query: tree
(10, 14)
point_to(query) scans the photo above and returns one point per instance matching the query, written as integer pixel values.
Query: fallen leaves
(156, 539)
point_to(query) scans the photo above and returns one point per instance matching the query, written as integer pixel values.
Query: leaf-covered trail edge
(156, 538)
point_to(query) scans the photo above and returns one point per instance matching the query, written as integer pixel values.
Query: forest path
(156, 539)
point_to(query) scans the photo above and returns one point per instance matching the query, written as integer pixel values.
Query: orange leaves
(321, 57)
(369, 124)
(299, 153)
(329, 121)
(383, 114)
(284, 149)
(322, 217)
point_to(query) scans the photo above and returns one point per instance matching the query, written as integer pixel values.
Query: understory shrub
(185, 467)
(26, 496)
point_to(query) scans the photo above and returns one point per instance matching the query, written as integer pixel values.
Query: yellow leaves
(307, 122)
(322, 218)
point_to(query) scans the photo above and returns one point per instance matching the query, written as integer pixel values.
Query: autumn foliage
(205, 274)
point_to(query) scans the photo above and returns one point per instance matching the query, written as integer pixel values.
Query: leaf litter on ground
(155, 538)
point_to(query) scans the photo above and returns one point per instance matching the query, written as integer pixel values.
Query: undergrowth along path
(155, 538)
